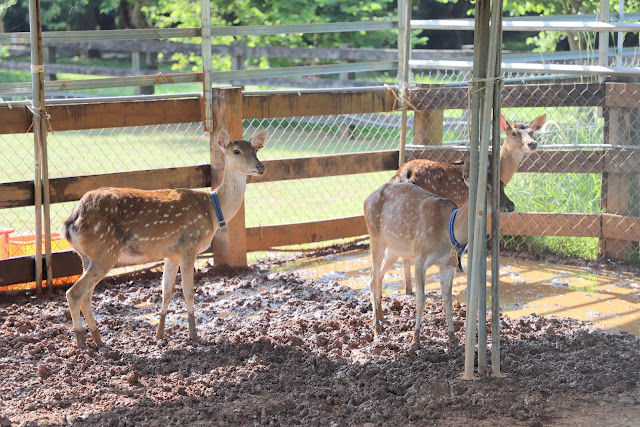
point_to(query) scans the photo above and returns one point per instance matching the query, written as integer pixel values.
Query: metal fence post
(41, 178)
(404, 52)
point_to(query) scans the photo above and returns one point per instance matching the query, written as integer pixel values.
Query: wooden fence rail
(607, 225)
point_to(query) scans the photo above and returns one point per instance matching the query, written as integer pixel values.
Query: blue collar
(218, 209)
(454, 242)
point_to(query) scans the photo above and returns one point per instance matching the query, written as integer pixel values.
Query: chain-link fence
(577, 195)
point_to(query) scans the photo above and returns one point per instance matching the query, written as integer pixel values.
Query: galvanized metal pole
(205, 21)
(603, 36)
(620, 34)
(479, 73)
(40, 147)
(404, 53)
(495, 212)
(493, 72)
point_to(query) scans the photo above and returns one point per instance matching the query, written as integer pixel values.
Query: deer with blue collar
(112, 226)
(405, 220)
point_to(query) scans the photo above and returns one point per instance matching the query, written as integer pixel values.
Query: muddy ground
(278, 350)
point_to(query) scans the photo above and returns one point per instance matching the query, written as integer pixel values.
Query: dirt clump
(278, 350)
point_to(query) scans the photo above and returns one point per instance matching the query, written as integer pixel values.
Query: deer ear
(259, 139)
(503, 123)
(466, 171)
(537, 122)
(223, 139)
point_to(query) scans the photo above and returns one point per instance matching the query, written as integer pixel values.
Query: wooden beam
(265, 237)
(543, 161)
(622, 95)
(315, 104)
(323, 166)
(75, 116)
(620, 227)
(17, 194)
(514, 96)
(22, 269)
(550, 224)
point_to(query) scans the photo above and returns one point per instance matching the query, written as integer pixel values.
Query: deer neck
(509, 161)
(461, 225)
(231, 191)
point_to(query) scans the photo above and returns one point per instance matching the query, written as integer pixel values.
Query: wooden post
(428, 127)
(237, 64)
(49, 53)
(619, 193)
(143, 61)
(229, 246)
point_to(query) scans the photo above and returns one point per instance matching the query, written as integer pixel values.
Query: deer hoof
(378, 329)
(81, 340)
(453, 342)
(96, 337)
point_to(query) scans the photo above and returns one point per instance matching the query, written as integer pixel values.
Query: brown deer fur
(112, 226)
(446, 180)
(407, 221)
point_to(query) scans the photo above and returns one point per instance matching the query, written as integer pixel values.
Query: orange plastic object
(4, 241)
(26, 245)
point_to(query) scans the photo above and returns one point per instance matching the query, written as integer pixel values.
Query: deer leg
(187, 265)
(77, 295)
(169, 273)
(407, 276)
(375, 287)
(446, 284)
(85, 306)
(421, 271)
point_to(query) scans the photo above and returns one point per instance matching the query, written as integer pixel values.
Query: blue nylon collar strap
(218, 209)
(454, 242)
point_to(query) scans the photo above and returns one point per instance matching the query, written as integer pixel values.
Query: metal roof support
(404, 51)
(480, 48)
(41, 176)
(496, 37)
(205, 21)
(603, 36)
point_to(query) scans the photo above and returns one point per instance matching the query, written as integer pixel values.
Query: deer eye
(236, 152)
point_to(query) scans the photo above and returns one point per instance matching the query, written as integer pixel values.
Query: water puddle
(609, 300)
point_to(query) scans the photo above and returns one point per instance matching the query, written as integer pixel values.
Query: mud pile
(275, 349)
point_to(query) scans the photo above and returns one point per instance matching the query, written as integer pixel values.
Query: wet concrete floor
(609, 300)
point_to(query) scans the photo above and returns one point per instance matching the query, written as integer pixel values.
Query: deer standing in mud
(446, 180)
(125, 225)
(407, 221)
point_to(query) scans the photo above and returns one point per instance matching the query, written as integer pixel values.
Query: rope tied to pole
(489, 81)
(398, 103)
(39, 113)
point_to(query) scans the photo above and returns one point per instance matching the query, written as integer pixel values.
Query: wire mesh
(312, 199)
(577, 194)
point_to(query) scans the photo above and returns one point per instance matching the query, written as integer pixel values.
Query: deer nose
(260, 167)
(533, 145)
(510, 206)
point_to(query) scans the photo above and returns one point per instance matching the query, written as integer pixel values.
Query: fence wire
(582, 179)
(580, 185)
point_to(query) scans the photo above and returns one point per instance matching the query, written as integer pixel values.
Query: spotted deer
(407, 221)
(112, 226)
(446, 180)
